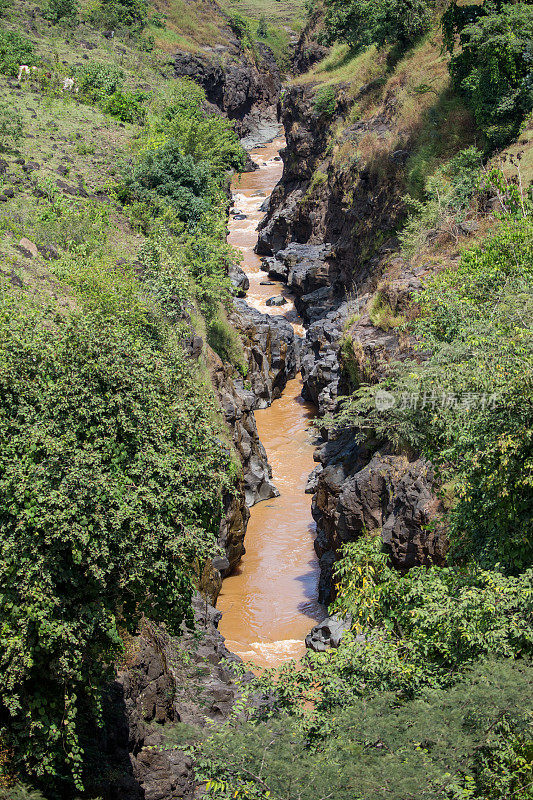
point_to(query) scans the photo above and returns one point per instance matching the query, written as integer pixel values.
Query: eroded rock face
(245, 91)
(163, 681)
(328, 633)
(272, 350)
(389, 494)
(237, 404)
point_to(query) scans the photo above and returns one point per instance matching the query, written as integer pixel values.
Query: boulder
(278, 300)
(328, 633)
(239, 280)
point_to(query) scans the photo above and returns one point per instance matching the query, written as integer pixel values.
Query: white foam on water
(271, 651)
(268, 653)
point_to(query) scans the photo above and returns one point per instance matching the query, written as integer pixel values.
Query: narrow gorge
(270, 602)
(266, 399)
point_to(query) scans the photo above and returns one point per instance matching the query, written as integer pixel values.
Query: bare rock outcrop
(243, 89)
(164, 681)
(272, 351)
(390, 495)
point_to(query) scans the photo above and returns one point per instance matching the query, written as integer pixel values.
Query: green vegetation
(489, 44)
(96, 80)
(11, 126)
(475, 321)
(14, 50)
(428, 694)
(427, 697)
(276, 13)
(62, 11)
(493, 64)
(325, 101)
(469, 742)
(115, 458)
(448, 193)
(382, 315)
(131, 15)
(360, 23)
(106, 441)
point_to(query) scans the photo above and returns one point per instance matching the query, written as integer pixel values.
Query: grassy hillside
(286, 13)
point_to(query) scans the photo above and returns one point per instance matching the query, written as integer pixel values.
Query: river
(269, 603)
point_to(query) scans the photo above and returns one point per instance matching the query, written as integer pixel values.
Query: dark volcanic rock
(390, 495)
(277, 300)
(243, 90)
(164, 680)
(237, 405)
(328, 633)
(239, 279)
(272, 350)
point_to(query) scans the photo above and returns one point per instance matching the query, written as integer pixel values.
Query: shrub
(11, 125)
(493, 66)
(14, 51)
(470, 742)
(240, 27)
(125, 106)
(325, 101)
(64, 11)
(164, 175)
(361, 23)
(106, 442)
(129, 14)
(97, 80)
(158, 19)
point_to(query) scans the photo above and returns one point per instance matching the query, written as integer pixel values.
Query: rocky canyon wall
(330, 235)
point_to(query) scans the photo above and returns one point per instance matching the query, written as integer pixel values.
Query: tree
(361, 23)
(492, 64)
(64, 11)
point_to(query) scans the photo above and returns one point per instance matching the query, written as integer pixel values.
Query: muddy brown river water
(269, 604)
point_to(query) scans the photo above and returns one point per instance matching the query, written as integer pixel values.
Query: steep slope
(362, 133)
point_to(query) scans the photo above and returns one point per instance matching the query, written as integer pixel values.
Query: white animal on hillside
(23, 70)
(68, 85)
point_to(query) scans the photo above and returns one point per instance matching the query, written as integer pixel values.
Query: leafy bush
(445, 619)
(493, 66)
(19, 792)
(471, 742)
(106, 442)
(97, 80)
(14, 51)
(64, 11)
(125, 106)
(164, 175)
(361, 23)
(477, 422)
(240, 27)
(158, 19)
(183, 158)
(116, 14)
(192, 268)
(11, 126)
(325, 101)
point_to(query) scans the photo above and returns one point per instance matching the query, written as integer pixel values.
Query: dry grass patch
(189, 25)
